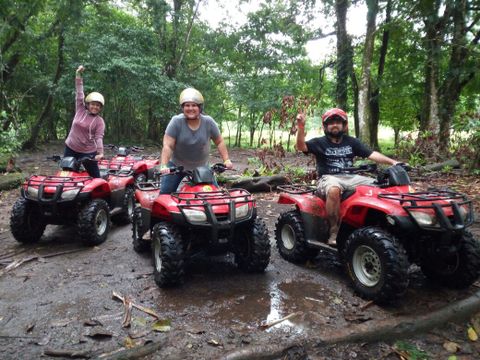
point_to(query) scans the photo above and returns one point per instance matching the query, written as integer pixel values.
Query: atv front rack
(297, 189)
(438, 201)
(209, 203)
(34, 189)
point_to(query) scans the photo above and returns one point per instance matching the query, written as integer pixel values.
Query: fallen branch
(278, 321)
(16, 263)
(138, 352)
(67, 353)
(127, 316)
(139, 307)
(371, 331)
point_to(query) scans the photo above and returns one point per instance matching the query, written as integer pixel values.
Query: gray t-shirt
(192, 147)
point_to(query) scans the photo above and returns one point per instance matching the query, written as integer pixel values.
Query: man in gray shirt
(187, 140)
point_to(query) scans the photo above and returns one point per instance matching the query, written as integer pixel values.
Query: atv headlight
(463, 212)
(424, 219)
(195, 215)
(69, 194)
(32, 192)
(241, 211)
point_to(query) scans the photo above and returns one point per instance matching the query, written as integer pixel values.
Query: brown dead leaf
(451, 346)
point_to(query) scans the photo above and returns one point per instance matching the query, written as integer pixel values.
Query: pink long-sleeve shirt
(86, 133)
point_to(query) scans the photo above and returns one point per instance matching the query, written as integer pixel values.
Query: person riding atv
(334, 152)
(384, 227)
(200, 216)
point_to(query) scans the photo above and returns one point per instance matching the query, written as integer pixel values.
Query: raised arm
(79, 95)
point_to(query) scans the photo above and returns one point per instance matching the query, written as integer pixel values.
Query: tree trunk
(47, 109)
(354, 81)
(456, 76)
(364, 91)
(343, 53)
(375, 98)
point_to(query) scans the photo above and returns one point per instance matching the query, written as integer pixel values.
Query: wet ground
(64, 302)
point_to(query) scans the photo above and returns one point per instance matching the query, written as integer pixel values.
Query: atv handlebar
(372, 168)
(216, 168)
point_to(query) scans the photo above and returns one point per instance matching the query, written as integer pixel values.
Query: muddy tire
(377, 264)
(128, 205)
(252, 246)
(25, 222)
(140, 178)
(94, 222)
(458, 271)
(167, 254)
(139, 245)
(290, 237)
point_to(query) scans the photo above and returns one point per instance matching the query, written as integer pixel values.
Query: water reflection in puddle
(236, 301)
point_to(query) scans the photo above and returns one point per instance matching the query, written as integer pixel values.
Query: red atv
(200, 216)
(384, 228)
(73, 197)
(142, 166)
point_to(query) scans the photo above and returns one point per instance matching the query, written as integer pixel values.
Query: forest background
(415, 70)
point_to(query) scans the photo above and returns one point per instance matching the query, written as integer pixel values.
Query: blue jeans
(90, 166)
(170, 183)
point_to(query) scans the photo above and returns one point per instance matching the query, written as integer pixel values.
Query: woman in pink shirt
(86, 134)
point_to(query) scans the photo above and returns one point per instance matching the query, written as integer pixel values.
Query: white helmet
(95, 96)
(191, 95)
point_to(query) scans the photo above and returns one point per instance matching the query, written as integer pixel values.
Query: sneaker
(332, 240)
(147, 236)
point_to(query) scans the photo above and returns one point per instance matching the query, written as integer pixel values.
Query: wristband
(300, 126)
(227, 161)
(163, 167)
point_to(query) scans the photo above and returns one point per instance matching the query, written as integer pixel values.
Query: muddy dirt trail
(64, 302)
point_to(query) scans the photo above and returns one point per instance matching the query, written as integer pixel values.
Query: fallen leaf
(475, 320)
(129, 343)
(213, 342)
(161, 325)
(451, 346)
(29, 327)
(43, 341)
(472, 335)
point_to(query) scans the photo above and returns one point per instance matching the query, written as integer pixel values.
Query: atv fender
(355, 209)
(139, 167)
(313, 213)
(310, 204)
(98, 188)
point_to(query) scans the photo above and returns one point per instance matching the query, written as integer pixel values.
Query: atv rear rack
(438, 201)
(297, 189)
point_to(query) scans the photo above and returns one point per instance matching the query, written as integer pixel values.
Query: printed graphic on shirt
(338, 158)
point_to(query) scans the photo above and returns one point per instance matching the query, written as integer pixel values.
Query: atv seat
(104, 174)
(347, 194)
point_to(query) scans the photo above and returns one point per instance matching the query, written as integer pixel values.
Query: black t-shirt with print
(332, 158)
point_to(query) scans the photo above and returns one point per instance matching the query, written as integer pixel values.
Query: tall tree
(365, 82)
(377, 84)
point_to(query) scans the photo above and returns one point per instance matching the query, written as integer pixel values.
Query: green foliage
(413, 352)
(466, 140)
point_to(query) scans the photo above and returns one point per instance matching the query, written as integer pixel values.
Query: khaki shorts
(344, 182)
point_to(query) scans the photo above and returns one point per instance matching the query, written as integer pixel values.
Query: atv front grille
(451, 210)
